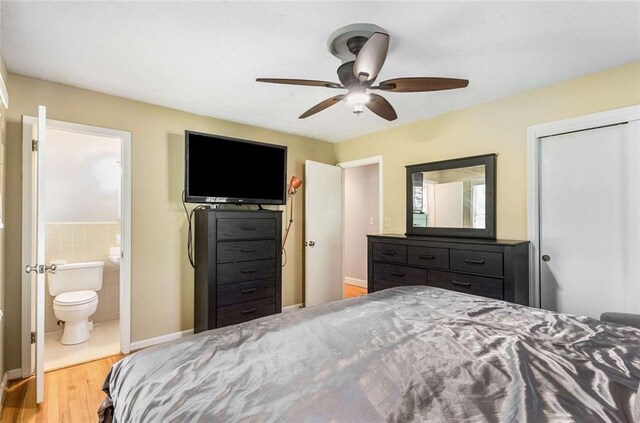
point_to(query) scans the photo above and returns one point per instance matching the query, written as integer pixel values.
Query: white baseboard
(14, 374)
(145, 343)
(3, 388)
(292, 307)
(355, 281)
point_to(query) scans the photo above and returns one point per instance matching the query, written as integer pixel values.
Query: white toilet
(74, 287)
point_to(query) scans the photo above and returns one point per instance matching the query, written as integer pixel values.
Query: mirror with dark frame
(455, 198)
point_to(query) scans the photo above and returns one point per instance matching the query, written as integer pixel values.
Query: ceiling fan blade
(371, 57)
(381, 107)
(322, 105)
(412, 85)
(306, 82)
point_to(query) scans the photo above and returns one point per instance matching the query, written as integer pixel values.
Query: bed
(412, 353)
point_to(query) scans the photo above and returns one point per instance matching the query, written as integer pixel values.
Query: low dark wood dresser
(489, 268)
(238, 266)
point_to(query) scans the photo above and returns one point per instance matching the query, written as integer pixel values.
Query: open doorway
(86, 214)
(362, 216)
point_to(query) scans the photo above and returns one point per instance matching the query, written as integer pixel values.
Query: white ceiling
(204, 57)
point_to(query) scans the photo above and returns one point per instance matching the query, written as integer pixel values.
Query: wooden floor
(71, 395)
(351, 291)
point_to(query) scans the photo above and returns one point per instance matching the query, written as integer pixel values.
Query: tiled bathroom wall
(82, 242)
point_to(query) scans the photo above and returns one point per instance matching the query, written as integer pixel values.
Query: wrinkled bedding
(412, 353)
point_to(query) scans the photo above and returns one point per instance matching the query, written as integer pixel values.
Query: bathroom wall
(83, 177)
(81, 242)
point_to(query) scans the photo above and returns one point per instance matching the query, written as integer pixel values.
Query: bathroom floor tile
(104, 342)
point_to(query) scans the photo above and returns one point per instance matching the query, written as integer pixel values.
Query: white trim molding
(367, 161)
(3, 388)
(293, 307)
(146, 343)
(4, 94)
(534, 134)
(355, 281)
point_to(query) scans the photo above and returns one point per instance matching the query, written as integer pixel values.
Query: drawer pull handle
(388, 253)
(470, 261)
(248, 271)
(427, 257)
(399, 274)
(247, 251)
(248, 291)
(248, 311)
(247, 228)
(467, 284)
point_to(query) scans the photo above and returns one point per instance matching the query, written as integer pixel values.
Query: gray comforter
(403, 354)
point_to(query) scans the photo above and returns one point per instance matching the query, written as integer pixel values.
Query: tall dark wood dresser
(238, 266)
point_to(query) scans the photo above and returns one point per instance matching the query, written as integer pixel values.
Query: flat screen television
(227, 170)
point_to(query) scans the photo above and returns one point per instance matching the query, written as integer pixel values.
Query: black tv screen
(258, 175)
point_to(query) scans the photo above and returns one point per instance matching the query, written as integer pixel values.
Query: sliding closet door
(589, 221)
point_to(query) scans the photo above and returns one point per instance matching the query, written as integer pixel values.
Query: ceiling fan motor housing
(347, 41)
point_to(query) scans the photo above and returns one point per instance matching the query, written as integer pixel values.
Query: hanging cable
(286, 232)
(189, 228)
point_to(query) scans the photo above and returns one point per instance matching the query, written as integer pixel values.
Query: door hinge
(33, 337)
(34, 145)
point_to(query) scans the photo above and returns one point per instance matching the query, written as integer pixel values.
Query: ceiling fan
(363, 50)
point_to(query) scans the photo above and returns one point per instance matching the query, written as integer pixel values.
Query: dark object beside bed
(489, 268)
(405, 354)
(627, 319)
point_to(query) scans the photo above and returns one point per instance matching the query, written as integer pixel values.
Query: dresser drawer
(246, 228)
(246, 271)
(238, 313)
(428, 257)
(246, 291)
(400, 275)
(234, 251)
(482, 262)
(470, 284)
(390, 253)
(379, 285)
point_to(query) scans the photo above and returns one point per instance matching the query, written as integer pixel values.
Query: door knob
(38, 268)
(310, 244)
(546, 258)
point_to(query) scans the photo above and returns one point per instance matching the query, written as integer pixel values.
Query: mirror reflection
(450, 198)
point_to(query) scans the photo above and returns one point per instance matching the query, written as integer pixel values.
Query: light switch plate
(387, 222)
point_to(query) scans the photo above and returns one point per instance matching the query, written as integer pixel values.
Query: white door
(323, 233)
(34, 178)
(589, 192)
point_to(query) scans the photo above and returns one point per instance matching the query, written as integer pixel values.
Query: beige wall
(3, 73)
(2, 235)
(496, 127)
(162, 279)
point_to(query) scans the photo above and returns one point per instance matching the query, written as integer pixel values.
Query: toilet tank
(75, 277)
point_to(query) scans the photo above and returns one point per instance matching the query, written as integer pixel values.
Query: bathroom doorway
(87, 229)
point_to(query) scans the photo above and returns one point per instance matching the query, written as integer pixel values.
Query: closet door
(589, 192)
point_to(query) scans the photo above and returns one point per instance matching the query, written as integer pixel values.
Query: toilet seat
(75, 298)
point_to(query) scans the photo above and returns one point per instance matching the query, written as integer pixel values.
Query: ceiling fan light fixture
(357, 98)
